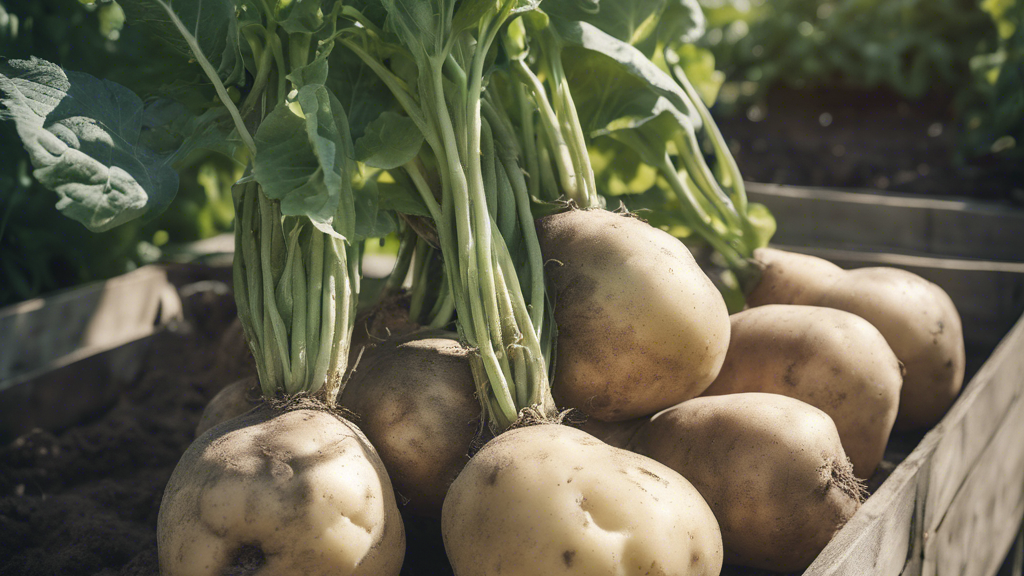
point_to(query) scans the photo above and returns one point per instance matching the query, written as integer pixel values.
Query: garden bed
(847, 138)
(84, 499)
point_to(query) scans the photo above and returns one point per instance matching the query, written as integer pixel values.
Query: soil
(84, 501)
(846, 138)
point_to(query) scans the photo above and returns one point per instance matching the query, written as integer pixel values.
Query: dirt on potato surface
(84, 501)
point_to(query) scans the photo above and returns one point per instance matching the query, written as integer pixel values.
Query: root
(532, 416)
(839, 474)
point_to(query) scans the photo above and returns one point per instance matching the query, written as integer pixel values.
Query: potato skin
(917, 318)
(548, 499)
(233, 400)
(300, 492)
(771, 468)
(833, 360)
(414, 398)
(640, 326)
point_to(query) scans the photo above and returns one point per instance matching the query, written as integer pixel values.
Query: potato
(414, 398)
(917, 319)
(233, 400)
(833, 360)
(640, 326)
(549, 499)
(772, 469)
(299, 492)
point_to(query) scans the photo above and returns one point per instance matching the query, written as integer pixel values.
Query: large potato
(772, 469)
(414, 398)
(299, 492)
(548, 499)
(640, 326)
(833, 360)
(917, 318)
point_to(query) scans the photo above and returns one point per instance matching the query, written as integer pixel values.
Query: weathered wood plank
(967, 431)
(35, 334)
(879, 538)
(981, 522)
(864, 220)
(976, 447)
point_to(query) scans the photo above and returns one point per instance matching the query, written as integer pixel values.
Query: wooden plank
(867, 220)
(982, 520)
(893, 532)
(968, 429)
(880, 537)
(35, 334)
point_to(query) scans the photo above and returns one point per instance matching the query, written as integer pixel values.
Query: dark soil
(862, 139)
(84, 501)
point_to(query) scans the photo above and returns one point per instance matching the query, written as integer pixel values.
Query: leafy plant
(912, 47)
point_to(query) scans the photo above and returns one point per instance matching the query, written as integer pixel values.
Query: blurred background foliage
(41, 250)
(968, 53)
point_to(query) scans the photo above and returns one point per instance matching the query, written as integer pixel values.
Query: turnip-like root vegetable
(549, 499)
(917, 318)
(297, 491)
(833, 360)
(640, 326)
(387, 319)
(772, 469)
(233, 400)
(414, 398)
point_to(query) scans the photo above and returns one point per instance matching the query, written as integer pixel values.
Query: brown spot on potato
(568, 557)
(492, 478)
(247, 559)
(789, 377)
(694, 559)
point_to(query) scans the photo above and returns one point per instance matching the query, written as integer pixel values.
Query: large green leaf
(389, 142)
(210, 23)
(623, 61)
(83, 137)
(305, 159)
(363, 94)
(422, 25)
(630, 21)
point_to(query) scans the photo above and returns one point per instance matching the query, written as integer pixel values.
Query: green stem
(406, 248)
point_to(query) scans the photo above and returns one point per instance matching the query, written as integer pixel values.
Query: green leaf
(211, 23)
(422, 25)
(302, 16)
(169, 128)
(629, 21)
(683, 22)
(362, 93)
(371, 220)
(624, 61)
(389, 142)
(82, 135)
(401, 199)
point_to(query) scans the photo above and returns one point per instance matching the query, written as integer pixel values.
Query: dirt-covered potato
(833, 360)
(640, 326)
(772, 469)
(917, 318)
(414, 399)
(294, 493)
(549, 499)
(233, 400)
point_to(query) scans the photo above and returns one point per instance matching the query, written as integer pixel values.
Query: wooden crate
(954, 504)
(91, 339)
